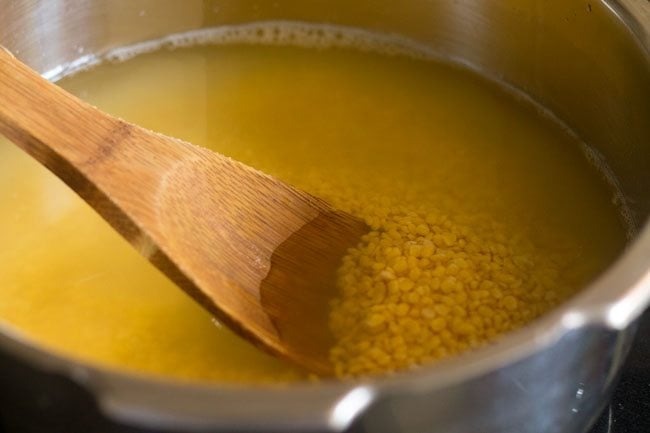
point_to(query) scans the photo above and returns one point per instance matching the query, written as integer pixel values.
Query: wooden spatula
(257, 253)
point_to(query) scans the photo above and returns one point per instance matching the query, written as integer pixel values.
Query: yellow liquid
(338, 122)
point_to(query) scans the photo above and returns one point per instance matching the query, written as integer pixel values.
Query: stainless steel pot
(588, 61)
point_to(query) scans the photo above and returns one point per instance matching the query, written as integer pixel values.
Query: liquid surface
(364, 130)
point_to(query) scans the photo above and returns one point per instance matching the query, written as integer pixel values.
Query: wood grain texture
(255, 252)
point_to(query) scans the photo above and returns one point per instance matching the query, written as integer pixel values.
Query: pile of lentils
(423, 286)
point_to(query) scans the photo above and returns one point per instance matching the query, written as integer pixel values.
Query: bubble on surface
(598, 161)
(280, 33)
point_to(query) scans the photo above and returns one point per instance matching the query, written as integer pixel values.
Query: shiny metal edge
(593, 306)
(635, 14)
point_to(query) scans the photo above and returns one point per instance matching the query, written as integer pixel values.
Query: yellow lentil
(435, 286)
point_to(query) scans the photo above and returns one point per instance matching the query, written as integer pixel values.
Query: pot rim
(613, 301)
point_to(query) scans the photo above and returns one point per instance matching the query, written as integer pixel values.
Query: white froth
(283, 33)
(598, 161)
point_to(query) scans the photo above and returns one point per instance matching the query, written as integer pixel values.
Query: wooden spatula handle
(74, 140)
(167, 197)
(248, 247)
